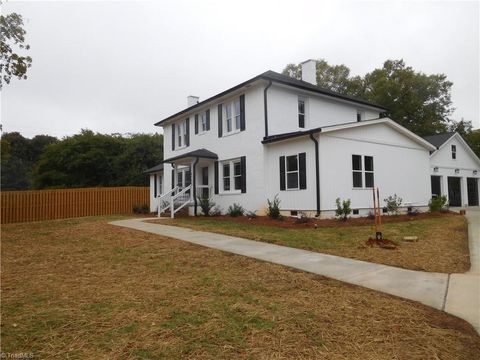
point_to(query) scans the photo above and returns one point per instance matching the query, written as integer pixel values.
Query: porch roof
(200, 153)
(154, 169)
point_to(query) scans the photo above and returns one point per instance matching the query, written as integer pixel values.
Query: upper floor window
(203, 122)
(182, 134)
(360, 116)
(454, 152)
(232, 116)
(301, 112)
(362, 169)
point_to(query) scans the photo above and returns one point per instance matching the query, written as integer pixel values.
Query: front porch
(191, 175)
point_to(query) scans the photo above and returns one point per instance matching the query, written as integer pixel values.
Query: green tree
(90, 159)
(465, 129)
(12, 35)
(18, 157)
(415, 100)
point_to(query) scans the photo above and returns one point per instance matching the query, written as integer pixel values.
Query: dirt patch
(85, 289)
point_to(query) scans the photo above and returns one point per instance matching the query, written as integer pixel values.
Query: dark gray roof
(282, 79)
(157, 168)
(200, 153)
(439, 139)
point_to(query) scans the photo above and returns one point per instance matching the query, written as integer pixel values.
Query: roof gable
(439, 139)
(458, 137)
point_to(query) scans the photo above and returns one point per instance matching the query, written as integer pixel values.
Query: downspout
(265, 106)
(195, 186)
(317, 173)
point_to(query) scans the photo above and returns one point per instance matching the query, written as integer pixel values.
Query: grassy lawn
(82, 289)
(442, 245)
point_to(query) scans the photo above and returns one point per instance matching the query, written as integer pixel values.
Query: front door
(184, 178)
(454, 191)
(472, 190)
(436, 187)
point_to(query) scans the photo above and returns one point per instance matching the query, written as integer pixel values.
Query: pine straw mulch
(442, 244)
(85, 289)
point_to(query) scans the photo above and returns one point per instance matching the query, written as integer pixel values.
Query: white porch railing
(180, 200)
(174, 200)
(164, 200)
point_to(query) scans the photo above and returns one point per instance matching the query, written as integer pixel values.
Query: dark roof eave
(275, 138)
(201, 154)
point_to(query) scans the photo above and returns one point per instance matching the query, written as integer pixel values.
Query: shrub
(141, 209)
(413, 211)
(302, 218)
(216, 211)
(235, 210)
(437, 203)
(206, 205)
(371, 215)
(251, 214)
(392, 204)
(273, 208)
(343, 209)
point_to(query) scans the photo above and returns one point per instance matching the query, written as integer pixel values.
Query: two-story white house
(275, 135)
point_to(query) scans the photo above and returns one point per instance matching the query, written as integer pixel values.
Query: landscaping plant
(343, 209)
(206, 204)
(302, 218)
(141, 209)
(273, 208)
(235, 210)
(393, 204)
(437, 203)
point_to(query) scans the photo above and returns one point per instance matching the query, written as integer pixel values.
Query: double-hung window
(454, 152)
(292, 172)
(203, 122)
(362, 170)
(232, 116)
(301, 112)
(180, 134)
(232, 175)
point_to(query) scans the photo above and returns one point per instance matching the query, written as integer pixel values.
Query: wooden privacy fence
(19, 206)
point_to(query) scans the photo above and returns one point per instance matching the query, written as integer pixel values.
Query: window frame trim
(363, 171)
(290, 172)
(231, 163)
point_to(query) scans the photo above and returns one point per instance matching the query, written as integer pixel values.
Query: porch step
(180, 213)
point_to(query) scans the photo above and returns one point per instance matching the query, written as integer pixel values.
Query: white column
(464, 191)
(444, 184)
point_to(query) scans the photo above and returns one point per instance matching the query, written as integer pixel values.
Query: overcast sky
(121, 66)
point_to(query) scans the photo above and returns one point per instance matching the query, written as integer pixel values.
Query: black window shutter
(242, 112)
(187, 140)
(302, 165)
(173, 178)
(220, 121)
(154, 185)
(196, 123)
(282, 172)
(173, 136)
(207, 114)
(216, 177)
(243, 167)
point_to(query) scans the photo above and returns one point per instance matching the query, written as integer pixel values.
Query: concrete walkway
(463, 295)
(457, 294)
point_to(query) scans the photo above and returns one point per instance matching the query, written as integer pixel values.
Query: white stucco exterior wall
(400, 166)
(320, 110)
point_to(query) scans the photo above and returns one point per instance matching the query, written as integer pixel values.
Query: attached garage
(454, 169)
